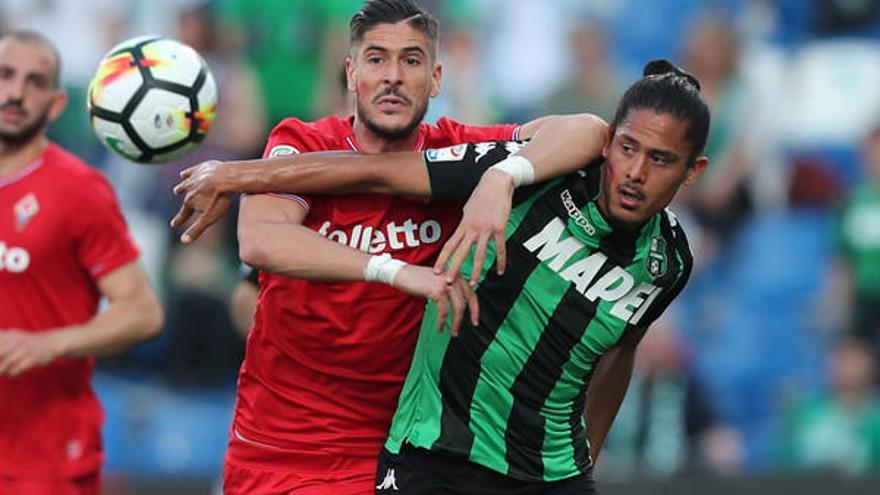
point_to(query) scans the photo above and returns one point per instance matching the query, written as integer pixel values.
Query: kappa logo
(390, 481)
(575, 213)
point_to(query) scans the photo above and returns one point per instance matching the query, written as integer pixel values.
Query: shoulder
(457, 132)
(77, 173)
(676, 239)
(293, 135)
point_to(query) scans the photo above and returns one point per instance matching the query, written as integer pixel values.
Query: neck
(370, 142)
(13, 157)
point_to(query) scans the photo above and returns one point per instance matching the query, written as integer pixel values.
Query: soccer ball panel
(171, 61)
(207, 111)
(113, 136)
(115, 83)
(160, 118)
(133, 42)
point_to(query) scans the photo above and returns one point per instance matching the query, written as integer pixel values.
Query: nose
(638, 169)
(14, 89)
(393, 74)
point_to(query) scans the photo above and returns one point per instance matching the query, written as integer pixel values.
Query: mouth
(630, 198)
(391, 102)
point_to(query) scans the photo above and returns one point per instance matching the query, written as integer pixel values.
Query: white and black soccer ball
(152, 99)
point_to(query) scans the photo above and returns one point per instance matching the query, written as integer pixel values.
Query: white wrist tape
(518, 167)
(382, 268)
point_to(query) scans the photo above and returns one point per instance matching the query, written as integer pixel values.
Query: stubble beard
(28, 133)
(389, 133)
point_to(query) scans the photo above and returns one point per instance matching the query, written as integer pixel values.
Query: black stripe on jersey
(524, 437)
(526, 426)
(461, 363)
(578, 434)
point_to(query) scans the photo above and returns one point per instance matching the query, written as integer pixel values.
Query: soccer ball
(152, 99)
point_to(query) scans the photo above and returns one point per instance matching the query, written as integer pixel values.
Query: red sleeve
(473, 134)
(293, 136)
(103, 243)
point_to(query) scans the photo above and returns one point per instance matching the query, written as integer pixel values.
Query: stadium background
(749, 382)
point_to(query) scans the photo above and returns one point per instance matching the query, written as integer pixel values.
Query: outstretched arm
(559, 145)
(272, 239)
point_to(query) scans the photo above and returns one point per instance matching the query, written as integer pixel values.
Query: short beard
(26, 134)
(392, 134)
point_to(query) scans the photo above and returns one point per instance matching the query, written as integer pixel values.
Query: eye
(413, 61)
(374, 60)
(627, 148)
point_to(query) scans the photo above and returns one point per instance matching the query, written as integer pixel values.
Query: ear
(350, 79)
(607, 148)
(436, 75)
(696, 170)
(59, 102)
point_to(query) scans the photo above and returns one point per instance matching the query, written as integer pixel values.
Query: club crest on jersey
(25, 209)
(283, 150)
(657, 257)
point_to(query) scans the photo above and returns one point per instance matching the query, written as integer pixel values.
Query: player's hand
(456, 296)
(205, 197)
(21, 351)
(485, 218)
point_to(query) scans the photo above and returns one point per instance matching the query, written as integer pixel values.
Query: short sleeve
(102, 241)
(290, 137)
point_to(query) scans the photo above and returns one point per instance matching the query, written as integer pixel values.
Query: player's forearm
(565, 144)
(121, 325)
(298, 252)
(607, 388)
(328, 172)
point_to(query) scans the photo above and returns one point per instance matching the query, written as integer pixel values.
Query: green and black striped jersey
(509, 394)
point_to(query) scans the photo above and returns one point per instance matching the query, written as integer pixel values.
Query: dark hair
(376, 12)
(666, 88)
(35, 38)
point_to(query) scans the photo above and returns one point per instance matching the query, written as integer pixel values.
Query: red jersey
(325, 362)
(60, 231)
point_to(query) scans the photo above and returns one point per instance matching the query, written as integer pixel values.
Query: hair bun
(661, 67)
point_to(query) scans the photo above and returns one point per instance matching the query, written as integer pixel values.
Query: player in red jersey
(328, 352)
(63, 246)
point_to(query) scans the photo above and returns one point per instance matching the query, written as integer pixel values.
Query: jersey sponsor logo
(616, 285)
(13, 259)
(392, 237)
(575, 213)
(283, 150)
(389, 482)
(448, 154)
(25, 209)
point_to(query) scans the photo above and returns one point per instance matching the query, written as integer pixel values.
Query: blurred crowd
(768, 361)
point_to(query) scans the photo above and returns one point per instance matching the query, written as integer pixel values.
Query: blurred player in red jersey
(63, 246)
(328, 352)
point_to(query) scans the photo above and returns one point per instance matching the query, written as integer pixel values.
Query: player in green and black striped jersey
(592, 260)
(522, 399)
